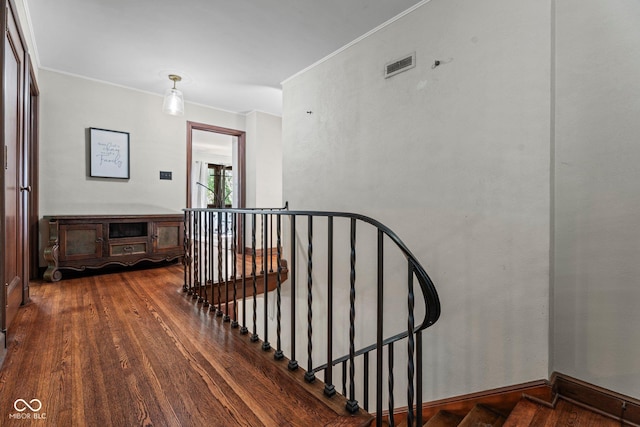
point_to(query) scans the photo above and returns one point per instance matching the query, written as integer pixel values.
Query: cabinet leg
(52, 274)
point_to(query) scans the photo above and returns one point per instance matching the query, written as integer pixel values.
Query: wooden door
(13, 72)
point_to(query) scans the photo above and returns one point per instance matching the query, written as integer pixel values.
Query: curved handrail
(430, 295)
(415, 270)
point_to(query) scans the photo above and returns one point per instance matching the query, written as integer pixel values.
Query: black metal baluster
(205, 259)
(196, 255)
(243, 329)
(234, 236)
(391, 404)
(380, 327)
(410, 346)
(293, 363)
(278, 355)
(203, 255)
(344, 378)
(262, 227)
(193, 276)
(419, 401)
(220, 265)
(209, 259)
(226, 317)
(186, 253)
(265, 252)
(366, 381)
(254, 336)
(352, 403)
(329, 388)
(309, 375)
(270, 243)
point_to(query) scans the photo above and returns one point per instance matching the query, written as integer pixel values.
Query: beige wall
(596, 294)
(268, 159)
(456, 160)
(70, 105)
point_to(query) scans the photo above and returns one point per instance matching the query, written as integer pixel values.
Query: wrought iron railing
(224, 264)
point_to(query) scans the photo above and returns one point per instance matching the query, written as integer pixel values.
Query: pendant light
(173, 100)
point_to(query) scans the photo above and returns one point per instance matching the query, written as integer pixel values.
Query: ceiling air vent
(400, 65)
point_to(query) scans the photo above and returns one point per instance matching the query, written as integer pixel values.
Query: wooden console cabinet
(83, 242)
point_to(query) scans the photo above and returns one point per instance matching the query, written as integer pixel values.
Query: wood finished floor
(130, 349)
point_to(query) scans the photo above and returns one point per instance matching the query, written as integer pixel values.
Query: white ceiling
(231, 54)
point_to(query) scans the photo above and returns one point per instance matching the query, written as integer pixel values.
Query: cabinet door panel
(168, 236)
(81, 241)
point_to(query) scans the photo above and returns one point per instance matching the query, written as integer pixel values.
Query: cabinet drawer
(129, 248)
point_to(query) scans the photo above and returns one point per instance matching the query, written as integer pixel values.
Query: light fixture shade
(173, 102)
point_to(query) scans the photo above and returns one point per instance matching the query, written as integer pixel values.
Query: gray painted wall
(70, 104)
(456, 160)
(596, 293)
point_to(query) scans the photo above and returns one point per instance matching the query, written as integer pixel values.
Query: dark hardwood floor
(130, 349)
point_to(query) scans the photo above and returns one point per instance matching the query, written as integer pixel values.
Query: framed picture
(109, 153)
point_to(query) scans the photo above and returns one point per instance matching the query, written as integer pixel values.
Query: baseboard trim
(598, 399)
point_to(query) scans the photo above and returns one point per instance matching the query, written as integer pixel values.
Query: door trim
(32, 134)
(241, 135)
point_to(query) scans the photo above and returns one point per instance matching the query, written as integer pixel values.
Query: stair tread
(567, 413)
(444, 419)
(482, 416)
(526, 413)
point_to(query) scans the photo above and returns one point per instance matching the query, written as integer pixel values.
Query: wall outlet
(165, 175)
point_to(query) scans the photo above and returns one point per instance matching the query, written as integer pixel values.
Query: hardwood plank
(568, 414)
(444, 419)
(502, 399)
(596, 398)
(527, 413)
(482, 416)
(131, 348)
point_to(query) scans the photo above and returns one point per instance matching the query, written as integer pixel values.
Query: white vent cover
(403, 64)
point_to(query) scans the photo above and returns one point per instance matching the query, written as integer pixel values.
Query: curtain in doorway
(199, 174)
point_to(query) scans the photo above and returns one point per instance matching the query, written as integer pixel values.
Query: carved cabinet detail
(83, 242)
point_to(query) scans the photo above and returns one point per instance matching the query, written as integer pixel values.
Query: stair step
(481, 416)
(567, 413)
(527, 413)
(444, 419)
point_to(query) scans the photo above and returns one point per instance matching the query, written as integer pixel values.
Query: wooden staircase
(526, 413)
(561, 401)
(224, 291)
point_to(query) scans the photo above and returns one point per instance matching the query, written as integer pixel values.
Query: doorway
(215, 154)
(218, 139)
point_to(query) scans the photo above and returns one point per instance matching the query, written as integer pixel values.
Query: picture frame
(108, 154)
